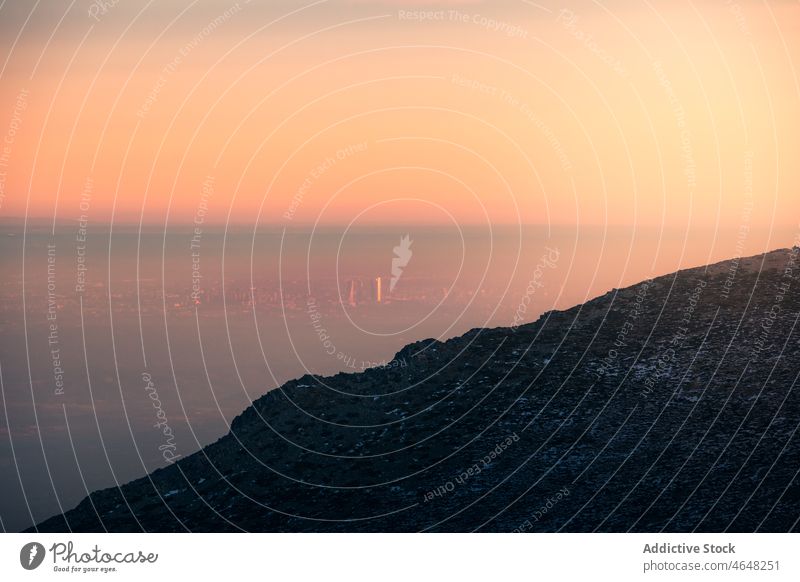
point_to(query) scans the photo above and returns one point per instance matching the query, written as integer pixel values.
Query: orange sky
(677, 114)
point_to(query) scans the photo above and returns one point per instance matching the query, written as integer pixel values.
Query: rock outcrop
(671, 405)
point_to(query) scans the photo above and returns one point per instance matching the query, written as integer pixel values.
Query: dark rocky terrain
(669, 405)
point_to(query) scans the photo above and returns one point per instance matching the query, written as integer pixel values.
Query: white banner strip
(401, 557)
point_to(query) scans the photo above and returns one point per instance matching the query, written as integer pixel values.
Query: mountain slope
(669, 405)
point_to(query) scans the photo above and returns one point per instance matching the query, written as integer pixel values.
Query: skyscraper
(352, 297)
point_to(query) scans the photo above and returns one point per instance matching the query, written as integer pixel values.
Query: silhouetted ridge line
(667, 405)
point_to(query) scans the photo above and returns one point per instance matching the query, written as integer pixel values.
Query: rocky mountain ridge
(669, 405)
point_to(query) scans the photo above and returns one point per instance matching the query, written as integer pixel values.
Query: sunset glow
(364, 266)
(490, 113)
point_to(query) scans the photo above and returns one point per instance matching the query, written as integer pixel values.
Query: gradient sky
(675, 114)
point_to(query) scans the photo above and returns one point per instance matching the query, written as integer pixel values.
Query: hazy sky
(655, 113)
